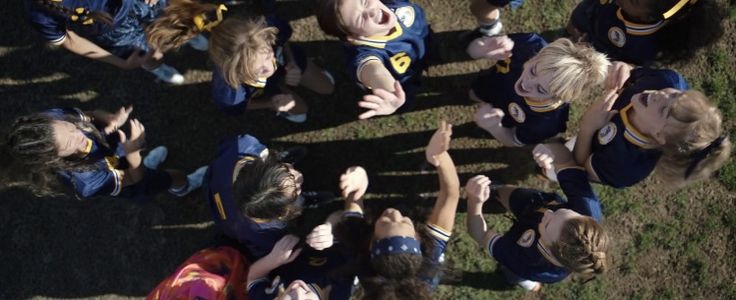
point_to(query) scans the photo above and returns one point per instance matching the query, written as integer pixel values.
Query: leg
(317, 79)
(484, 12)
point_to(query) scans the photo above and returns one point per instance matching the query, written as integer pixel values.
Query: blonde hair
(575, 68)
(694, 141)
(176, 26)
(234, 46)
(582, 246)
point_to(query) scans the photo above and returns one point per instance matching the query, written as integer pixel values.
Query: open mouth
(383, 17)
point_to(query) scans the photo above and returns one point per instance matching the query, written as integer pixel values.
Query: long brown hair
(176, 26)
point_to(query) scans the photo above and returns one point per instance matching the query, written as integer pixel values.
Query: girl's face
(392, 223)
(365, 17)
(264, 65)
(533, 83)
(69, 140)
(652, 110)
(552, 224)
(298, 290)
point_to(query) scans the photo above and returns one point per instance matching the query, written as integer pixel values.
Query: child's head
(690, 24)
(298, 290)
(41, 141)
(688, 128)
(243, 50)
(578, 242)
(179, 24)
(563, 71)
(269, 189)
(651, 11)
(343, 18)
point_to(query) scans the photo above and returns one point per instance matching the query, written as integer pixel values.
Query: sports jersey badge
(516, 112)
(406, 15)
(607, 133)
(616, 36)
(527, 238)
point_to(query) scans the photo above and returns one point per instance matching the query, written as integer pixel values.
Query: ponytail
(695, 144)
(181, 21)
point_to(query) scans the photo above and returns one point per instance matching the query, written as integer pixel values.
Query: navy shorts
(153, 183)
(130, 33)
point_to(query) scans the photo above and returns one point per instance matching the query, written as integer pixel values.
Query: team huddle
(640, 118)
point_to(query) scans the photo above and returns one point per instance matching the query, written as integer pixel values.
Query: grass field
(666, 244)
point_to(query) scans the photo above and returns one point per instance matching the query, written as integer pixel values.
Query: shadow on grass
(69, 249)
(495, 281)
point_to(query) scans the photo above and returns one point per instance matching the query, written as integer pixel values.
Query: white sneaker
(199, 42)
(492, 31)
(168, 74)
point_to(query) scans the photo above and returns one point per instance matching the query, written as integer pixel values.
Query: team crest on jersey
(516, 112)
(607, 133)
(406, 15)
(527, 238)
(616, 36)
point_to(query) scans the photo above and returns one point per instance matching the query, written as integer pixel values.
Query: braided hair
(582, 246)
(80, 15)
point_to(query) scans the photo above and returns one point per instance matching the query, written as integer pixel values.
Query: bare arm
(478, 191)
(374, 75)
(84, 47)
(443, 214)
(132, 147)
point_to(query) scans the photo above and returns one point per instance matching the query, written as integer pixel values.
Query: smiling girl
(527, 92)
(655, 121)
(386, 42)
(92, 156)
(550, 238)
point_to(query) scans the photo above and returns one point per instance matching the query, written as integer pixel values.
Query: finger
(384, 94)
(368, 105)
(123, 137)
(374, 99)
(367, 114)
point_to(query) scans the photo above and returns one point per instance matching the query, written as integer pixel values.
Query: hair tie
(678, 6)
(395, 245)
(201, 20)
(698, 156)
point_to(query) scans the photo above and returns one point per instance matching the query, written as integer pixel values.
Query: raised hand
(487, 116)
(283, 252)
(493, 48)
(353, 183)
(478, 188)
(382, 102)
(618, 73)
(600, 112)
(115, 120)
(321, 237)
(439, 143)
(137, 139)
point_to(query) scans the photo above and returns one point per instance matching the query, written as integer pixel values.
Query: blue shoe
(300, 118)
(199, 42)
(155, 157)
(194, 181)
(168, 74)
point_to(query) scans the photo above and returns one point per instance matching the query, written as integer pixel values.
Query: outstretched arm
(443, 214)
(84, 47)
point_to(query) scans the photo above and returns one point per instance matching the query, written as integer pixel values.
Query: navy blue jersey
(621, 156)
(52, 25)
(257, 238)
(313, 267)
(520, 250)
(609, 32)
(532, 121)
(401, 51)
(108, 157)
(233, 101)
